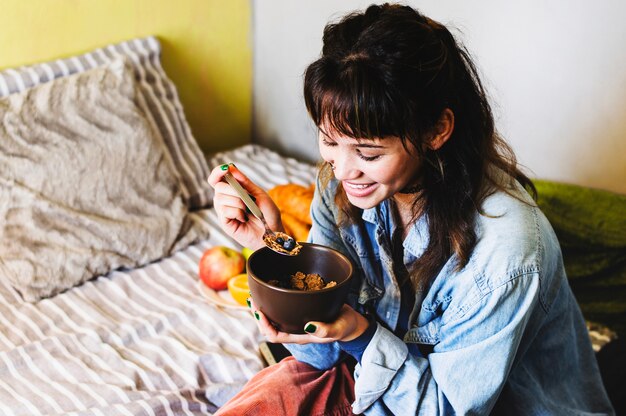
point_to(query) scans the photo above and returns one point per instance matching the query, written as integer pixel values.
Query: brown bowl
(289, 309)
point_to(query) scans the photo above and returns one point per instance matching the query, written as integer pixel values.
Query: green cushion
(591, 227)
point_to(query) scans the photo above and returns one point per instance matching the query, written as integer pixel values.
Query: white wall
(556, 72)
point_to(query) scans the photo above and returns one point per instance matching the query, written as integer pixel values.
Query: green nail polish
(224, 167)
(310, 328)
(257, 316)
(248, 302)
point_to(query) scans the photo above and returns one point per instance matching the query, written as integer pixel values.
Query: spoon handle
(243, 194)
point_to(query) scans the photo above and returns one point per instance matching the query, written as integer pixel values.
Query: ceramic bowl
(290, 309)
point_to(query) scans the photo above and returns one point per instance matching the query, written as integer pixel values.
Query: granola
(302, 281)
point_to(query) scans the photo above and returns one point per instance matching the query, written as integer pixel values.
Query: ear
(443, 130)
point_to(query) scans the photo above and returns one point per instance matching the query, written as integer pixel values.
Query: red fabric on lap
(294, 388)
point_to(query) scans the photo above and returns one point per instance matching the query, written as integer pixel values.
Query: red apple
(218, 264)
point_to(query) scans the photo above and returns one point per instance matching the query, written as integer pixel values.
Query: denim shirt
(504, 335)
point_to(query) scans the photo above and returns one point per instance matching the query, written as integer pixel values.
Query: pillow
(86, 183)
(158, 98)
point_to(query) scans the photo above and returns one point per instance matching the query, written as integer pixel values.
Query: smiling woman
(459, 275)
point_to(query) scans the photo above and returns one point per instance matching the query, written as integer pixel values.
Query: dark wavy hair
(391, 72)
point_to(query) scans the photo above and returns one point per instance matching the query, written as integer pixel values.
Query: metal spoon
(269, 236)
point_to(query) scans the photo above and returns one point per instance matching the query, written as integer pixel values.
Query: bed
(137, 334)
(146, 340)
(106, 214)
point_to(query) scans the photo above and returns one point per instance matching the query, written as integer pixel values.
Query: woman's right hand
(244, 227)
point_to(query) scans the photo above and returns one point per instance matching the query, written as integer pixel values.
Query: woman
(462, 304)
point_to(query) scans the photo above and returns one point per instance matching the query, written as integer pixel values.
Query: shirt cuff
(357, 346)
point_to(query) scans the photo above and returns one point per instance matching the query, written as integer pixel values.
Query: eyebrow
(368, 145)
(358, 144)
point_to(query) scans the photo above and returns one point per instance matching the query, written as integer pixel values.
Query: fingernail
(224, 167)
(310, 328)
(248, 302)
(257, 316)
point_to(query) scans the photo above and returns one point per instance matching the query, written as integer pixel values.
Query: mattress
(144, 341)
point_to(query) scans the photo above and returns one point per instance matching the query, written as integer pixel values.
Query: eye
(325, 142)
(368, 158)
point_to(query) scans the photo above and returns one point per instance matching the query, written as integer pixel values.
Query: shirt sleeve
(320, 356)
(466, 371)
(357, 346)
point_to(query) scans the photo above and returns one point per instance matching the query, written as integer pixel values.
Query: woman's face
(370, 170)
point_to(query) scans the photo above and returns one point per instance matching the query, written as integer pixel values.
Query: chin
(364, 203)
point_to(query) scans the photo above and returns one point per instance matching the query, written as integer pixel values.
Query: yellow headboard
(206, 50)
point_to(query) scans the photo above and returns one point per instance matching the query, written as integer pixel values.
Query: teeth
(357, 186)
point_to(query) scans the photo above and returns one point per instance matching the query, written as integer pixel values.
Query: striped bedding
(144, 341)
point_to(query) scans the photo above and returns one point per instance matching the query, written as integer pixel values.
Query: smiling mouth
(357, 185)
(359, 190)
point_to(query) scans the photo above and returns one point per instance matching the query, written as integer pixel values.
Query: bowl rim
(302, 292)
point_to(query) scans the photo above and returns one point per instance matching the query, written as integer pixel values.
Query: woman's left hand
(348, 326)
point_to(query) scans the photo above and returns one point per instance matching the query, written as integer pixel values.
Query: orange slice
(239, 289)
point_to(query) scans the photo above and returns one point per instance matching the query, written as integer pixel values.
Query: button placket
(391, 296)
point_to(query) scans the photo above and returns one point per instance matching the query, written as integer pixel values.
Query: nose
(343, 168)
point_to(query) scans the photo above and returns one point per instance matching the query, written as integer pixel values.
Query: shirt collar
(371, 214)
(417, 238)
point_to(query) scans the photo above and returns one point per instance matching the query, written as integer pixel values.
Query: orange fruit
(239, 289)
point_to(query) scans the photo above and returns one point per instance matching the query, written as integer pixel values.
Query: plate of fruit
(223, 280)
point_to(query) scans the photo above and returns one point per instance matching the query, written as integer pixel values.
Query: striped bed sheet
(144, 341)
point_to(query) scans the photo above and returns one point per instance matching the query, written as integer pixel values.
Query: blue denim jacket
(504, 335)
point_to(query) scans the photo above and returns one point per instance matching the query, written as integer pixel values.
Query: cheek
(394, 174)
(325, 154)
(383, 175)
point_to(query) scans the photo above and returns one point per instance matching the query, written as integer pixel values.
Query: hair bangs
(349, 98)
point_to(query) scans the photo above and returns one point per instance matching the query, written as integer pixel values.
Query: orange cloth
(294, 227)
(294, 199)
(294, 203)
